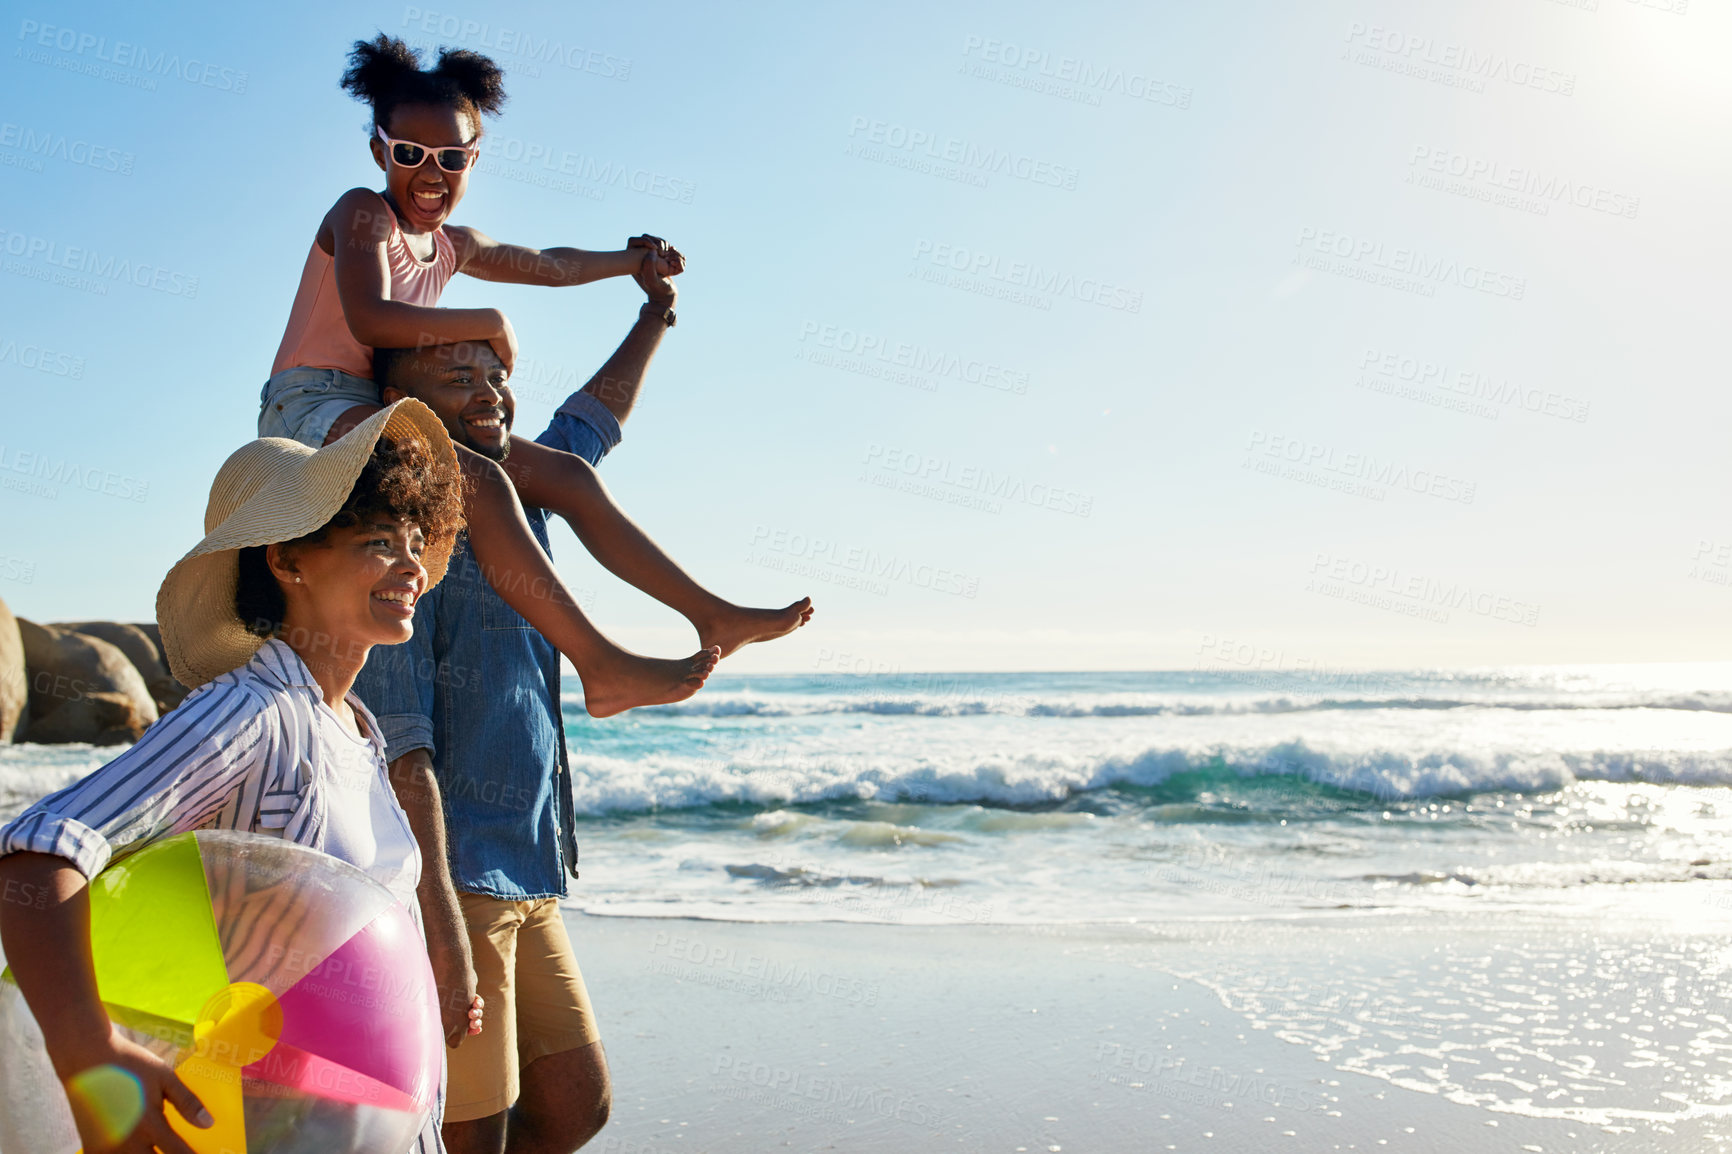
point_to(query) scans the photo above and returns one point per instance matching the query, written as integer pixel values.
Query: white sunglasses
(408, 154)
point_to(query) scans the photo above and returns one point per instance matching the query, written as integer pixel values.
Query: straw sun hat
(268, 491)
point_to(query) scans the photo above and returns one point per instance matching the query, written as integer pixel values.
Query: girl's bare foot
(622, 680)
(732, 626)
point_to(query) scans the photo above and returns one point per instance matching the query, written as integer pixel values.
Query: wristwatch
(661, 312)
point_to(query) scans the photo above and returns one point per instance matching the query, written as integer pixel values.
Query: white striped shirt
(251, 750)
(239, 753)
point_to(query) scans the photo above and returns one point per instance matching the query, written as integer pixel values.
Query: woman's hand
(159, 1084)
(47, 941)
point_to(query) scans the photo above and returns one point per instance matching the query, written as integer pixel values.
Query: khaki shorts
(536, 1003)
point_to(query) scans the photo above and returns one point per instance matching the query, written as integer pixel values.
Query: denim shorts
(301, 404)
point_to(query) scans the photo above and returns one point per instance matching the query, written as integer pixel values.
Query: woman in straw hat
(310, 558)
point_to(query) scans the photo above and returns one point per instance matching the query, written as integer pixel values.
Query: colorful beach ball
(290, 991)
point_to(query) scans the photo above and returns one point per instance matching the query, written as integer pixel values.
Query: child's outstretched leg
(513, 562)
(614, 679)
(568, 485)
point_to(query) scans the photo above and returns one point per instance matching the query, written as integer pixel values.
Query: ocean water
(1058, 798)
(1151, 796)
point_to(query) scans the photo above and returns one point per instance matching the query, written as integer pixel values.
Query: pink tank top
(318, 336)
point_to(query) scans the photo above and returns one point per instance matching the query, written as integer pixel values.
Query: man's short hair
(385, 362)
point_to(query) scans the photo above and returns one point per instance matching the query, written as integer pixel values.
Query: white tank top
(364, 825)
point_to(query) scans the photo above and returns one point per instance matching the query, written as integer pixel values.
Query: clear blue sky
(1042, 336)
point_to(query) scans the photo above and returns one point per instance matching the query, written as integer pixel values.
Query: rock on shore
(142, 644)
(82, 688)
(14, 684)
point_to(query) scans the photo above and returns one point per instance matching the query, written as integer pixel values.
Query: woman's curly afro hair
(385, 72)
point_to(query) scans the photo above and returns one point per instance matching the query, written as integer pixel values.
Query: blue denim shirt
(478, 688)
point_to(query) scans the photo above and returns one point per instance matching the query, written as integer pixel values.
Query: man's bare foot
(732, 626)
(623, 680)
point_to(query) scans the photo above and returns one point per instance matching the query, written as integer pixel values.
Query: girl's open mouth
(428, 203)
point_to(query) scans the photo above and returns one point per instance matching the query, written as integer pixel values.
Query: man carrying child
(470, 712)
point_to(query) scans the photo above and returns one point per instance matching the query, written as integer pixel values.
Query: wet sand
(1520, 1032)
